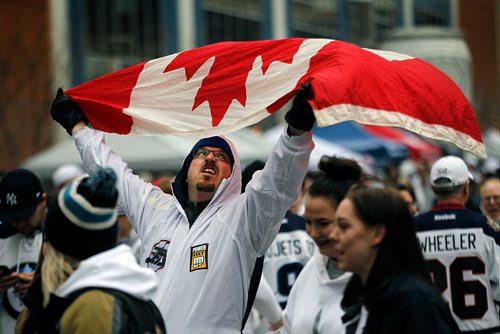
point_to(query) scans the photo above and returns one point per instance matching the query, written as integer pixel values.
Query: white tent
(147, 153)
(324, 147)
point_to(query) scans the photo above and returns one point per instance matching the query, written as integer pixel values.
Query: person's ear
(466, 190)
(378, 234)
(44, 198)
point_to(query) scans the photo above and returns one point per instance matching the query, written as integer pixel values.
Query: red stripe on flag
(103, 99)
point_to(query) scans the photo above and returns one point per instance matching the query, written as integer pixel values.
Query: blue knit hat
(214, 142)
(82, 220)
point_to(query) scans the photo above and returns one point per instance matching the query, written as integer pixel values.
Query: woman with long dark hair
(390, 290)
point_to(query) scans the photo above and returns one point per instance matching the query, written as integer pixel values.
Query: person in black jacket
(390, 290)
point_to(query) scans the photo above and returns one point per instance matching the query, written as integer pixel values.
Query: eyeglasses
(487, 199)
(220, 155)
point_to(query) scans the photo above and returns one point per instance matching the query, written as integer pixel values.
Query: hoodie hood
(179, 186)
(114, 269)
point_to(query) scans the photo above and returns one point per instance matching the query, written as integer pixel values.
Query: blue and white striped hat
(82, 220)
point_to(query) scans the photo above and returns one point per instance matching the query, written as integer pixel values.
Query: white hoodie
(204, 271)
(314, 301)
(112, 269)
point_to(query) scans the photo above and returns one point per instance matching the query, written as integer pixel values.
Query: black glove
(66, 112)
(300, 115)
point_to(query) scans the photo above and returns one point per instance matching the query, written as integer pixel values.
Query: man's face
(490, 199)
(209, 167)
(29, 225)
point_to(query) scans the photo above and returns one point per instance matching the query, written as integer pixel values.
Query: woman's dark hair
(399, 251)
(338, 175)
(408, 188)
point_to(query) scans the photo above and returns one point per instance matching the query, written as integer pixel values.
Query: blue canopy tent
(355, 138)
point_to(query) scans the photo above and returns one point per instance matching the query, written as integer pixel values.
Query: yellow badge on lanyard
(199, 257)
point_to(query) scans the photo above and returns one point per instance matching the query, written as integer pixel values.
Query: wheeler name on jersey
(447, 242)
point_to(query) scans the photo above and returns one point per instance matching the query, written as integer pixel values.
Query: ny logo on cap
(443, 170)
(11, 199)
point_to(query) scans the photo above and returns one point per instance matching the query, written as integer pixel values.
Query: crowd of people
(269, 248)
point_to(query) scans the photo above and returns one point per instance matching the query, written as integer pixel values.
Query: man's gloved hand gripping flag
(225, 86)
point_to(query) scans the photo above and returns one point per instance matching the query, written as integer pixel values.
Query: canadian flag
(225, 86)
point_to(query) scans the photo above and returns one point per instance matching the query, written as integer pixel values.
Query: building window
(313, 18)
(231, 20)
(119, 33)
(385, 17)
(361, 30)
(432, 12)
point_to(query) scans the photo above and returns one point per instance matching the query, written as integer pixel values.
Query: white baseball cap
(66, 173)
(451, 170)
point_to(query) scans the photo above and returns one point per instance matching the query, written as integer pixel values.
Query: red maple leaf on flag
(226, 80)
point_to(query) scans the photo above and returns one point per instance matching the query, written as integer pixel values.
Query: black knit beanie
(82, 220)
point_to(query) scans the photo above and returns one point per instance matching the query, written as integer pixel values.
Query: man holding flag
(203, 241)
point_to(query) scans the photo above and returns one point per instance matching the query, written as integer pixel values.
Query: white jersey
(204, 271)
(314, 302)
(287, 255)
(20, 254)
(464, 260)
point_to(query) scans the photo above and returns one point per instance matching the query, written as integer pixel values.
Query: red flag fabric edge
(103, 99)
